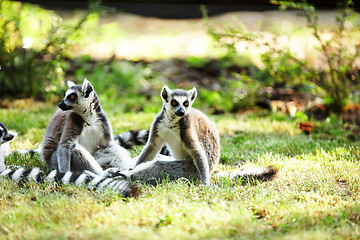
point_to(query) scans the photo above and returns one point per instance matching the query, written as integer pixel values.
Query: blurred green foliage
(22, 70)
(338, 78)
(112, 77)
(35, 61)
(121, 84)
(281, 69)
(33, 49)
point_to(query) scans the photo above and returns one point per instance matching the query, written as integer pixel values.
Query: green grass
(315, 195)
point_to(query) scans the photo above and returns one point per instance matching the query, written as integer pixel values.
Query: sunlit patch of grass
(230, 124)
(15, 160)
(131, 121)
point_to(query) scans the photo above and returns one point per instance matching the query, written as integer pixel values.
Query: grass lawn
(314, 196)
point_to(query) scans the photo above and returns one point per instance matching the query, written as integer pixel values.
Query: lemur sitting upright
(89, 179)
(79, 135)
(193, 140)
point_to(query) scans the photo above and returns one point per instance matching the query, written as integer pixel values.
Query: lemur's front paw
(113, 172)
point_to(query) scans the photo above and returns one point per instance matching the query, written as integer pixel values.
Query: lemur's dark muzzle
(63, 106)
(180, 112)
(9, 137)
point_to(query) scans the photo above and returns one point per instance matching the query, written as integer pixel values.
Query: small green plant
(340, 76)
(332, 128)
(281, 69)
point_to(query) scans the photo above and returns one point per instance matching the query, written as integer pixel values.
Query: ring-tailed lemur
(78, 131)
(193, 140)
(5, 137)
(91, 180)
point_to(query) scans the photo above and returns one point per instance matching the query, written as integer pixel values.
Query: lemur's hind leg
(80, 160)
(161, 168)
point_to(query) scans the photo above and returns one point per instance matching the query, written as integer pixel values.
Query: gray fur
(78, 131)
(163, 167)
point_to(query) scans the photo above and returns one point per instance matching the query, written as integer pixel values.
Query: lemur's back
(53, 134)
(207, 134)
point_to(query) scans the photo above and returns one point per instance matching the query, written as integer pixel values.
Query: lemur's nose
(180, 112)
(63, 106)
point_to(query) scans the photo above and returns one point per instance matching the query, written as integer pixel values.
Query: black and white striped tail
(135, 138)
(132, 138)
(123, 187)
(31, 152)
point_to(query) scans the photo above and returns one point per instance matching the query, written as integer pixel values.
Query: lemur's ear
(86, 88)
(192, 93)
(165, 93)
(70, 84)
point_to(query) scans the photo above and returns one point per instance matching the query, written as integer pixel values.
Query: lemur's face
(178, 102)
(78, 97)
(5, 134)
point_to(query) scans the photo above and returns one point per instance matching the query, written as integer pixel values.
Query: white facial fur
(85, 95)
(177, 103)
(5, 137)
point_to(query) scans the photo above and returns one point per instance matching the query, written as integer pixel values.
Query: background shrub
(33, 49)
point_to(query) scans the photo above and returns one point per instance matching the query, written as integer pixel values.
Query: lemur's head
(5, 134)
(178, 102)
(78, 97)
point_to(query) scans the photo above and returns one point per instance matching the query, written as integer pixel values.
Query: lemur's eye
(186, 103)
(72, 96)
(174, 103)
